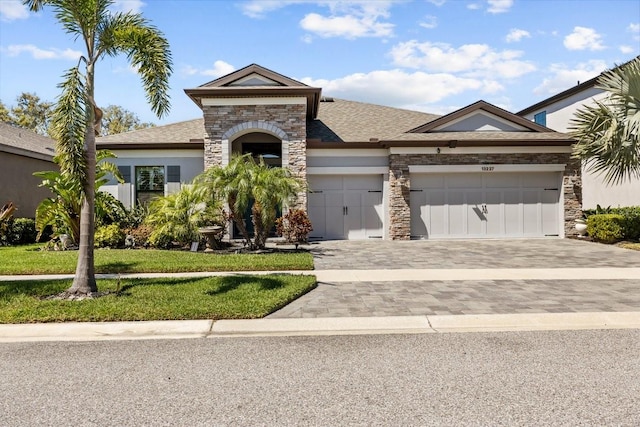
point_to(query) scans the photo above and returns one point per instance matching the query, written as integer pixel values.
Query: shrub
(141, 234)
(294, 226)
(109, 236)
(159, 239)
(606, 228)
(631, 223)
(23, 231)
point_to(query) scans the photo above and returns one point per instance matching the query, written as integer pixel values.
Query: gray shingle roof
(169, 134)
(25, 142)
(350, 121)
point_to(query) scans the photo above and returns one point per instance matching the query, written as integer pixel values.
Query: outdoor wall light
(438, 150)
(452, 144)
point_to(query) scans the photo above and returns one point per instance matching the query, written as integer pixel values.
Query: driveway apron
(431, 296)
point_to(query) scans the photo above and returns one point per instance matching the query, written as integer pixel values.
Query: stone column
(399, 207)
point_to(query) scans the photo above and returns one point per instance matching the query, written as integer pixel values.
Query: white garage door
(345, 207)
(472, 205)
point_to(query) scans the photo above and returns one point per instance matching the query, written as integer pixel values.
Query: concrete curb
(176, 329)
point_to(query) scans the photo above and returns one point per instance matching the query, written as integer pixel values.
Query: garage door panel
(420, 215)
(494, 213)
(463, 180)
(550, 223)
(512, 213)
(475, 216)
(531, 212)
(436, 213)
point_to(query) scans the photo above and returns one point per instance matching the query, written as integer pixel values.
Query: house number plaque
(487, 168)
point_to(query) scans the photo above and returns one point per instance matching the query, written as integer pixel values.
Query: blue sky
(429, 55)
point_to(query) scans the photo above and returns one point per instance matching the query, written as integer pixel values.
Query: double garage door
(345, 206)
(476, 205)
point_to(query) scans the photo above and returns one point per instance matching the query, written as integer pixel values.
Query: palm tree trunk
(84, 282)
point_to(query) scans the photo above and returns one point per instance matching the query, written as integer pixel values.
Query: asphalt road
(525, 378)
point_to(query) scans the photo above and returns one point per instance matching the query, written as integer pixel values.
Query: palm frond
(147, 50)
(68, 124)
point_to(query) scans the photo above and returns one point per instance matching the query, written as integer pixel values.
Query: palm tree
(244, 181)
(608, 132)
(76, 113)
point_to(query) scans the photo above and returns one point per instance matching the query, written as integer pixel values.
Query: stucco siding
(17, 184)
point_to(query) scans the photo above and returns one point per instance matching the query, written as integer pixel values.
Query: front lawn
(29, 260)
(230, 297)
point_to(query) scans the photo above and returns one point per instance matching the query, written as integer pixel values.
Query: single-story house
(556, 113)
(372, 171)
(23, 152)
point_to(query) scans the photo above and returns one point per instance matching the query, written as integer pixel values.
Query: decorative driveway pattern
(530, 253)
(434, 297)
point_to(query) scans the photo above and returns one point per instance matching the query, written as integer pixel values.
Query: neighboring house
(556, 113)
(372, 171)
(23, 152)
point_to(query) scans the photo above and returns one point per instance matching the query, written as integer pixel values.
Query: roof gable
(480, 116)
(253, 75)
(255, 81)
(25, 142)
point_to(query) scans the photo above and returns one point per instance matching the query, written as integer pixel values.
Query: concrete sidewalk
(397, 275)
(181, 329)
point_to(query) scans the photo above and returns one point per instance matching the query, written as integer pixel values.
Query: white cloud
(516, 34)
(583, 38)
(348, 26)
(499, 6)
(472, 59)
(396, 87)
(563, 78)
(259, 8)
(133, 6)
(437, 2)
(473, 6)
(635, 30)
(626, 49)
(429, 22)
(13, 9)
(351, 20)
(37, 53)
(220, 68)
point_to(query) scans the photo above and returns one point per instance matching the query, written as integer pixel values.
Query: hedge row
(613, 224)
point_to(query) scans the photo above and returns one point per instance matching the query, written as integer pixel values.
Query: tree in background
(608, 132)
(76, 113)
(117, 119)
(28, 113)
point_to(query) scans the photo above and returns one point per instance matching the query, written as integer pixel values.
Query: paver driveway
(469, 296)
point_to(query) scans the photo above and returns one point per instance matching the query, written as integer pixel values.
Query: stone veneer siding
(400, 183)
(291, 119)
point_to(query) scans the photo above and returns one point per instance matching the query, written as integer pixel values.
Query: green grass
(29, 260)
(231, 297)
(630, 245)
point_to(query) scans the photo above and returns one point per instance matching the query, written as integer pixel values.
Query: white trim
(479, 150)
(279, 100)
(151, 153)
(484, 113)
(486, 168)
(347, 152)
(348, 170)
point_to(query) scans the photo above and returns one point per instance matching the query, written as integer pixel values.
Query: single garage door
(476, 205)
(345, 207)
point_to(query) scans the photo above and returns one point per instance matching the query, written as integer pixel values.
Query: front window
(150, 178)
(149, 183)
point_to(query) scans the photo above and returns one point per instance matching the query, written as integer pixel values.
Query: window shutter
(173, 173)
(125, 171)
